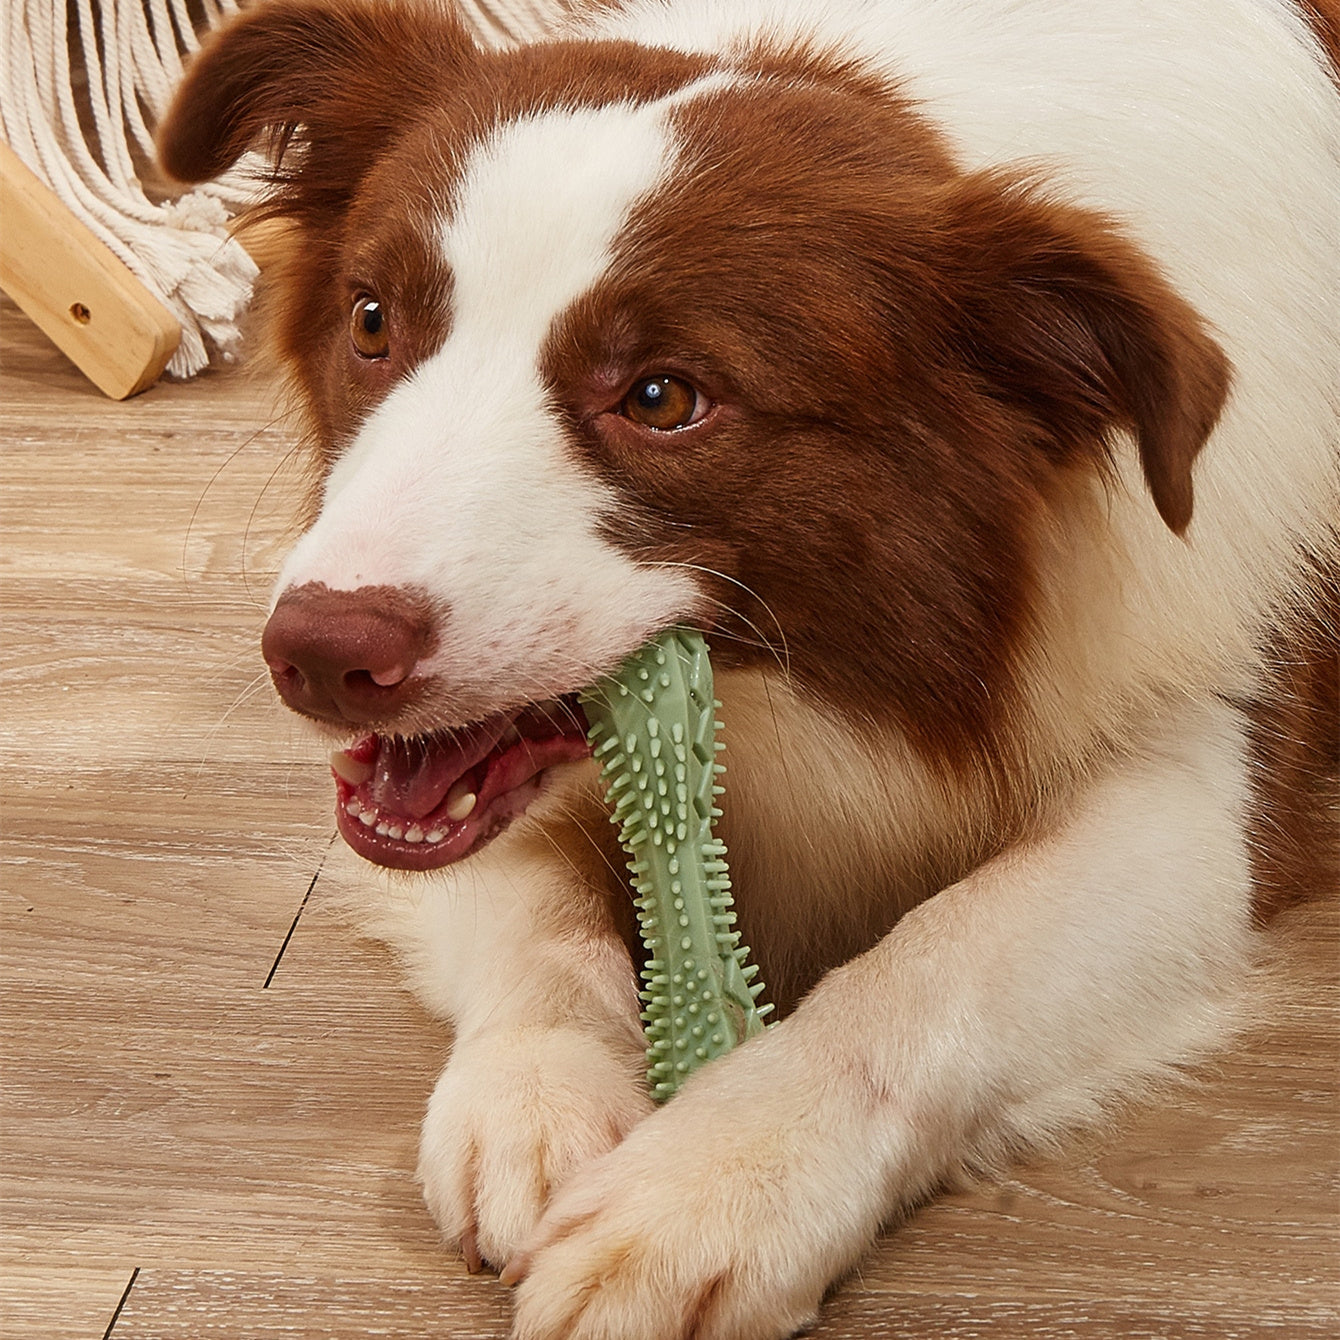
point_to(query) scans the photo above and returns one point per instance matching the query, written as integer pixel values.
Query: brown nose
(348, 656)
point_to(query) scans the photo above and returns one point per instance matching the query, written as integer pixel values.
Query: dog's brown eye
(664, 403)
(368, 328)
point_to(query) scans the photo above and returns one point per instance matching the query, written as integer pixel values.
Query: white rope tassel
(132, 53)
(132, 56)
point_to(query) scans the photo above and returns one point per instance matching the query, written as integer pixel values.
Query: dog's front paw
(512, 1116)
(722, 1217)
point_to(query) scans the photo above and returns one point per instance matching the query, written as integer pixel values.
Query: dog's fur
(1012, 523)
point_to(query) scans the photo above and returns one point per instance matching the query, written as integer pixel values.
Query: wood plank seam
(120, 1307)
(274, 967)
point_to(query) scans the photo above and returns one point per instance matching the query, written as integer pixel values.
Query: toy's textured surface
(653, 728)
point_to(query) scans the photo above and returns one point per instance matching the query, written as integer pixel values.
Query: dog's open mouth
(422, 803)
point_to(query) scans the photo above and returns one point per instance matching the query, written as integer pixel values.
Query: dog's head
(595, 339)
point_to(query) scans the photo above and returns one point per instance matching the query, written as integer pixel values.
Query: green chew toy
(653, 729)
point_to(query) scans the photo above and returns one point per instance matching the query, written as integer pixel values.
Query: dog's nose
(348, 656)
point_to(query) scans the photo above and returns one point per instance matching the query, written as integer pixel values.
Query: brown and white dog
(968, 370)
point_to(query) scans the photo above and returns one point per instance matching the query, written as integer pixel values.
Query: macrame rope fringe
(128, 57)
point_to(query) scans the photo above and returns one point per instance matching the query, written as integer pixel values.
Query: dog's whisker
(251, 439)
(783, 655)
(243, 696)
(291, 455)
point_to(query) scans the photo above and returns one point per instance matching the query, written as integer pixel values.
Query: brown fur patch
(1295, 738)
(1324, 16)
(370, 110)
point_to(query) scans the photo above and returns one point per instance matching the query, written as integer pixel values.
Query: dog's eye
(368, 328)
(664, 403)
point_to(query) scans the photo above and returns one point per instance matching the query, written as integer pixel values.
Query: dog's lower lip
(384, 841)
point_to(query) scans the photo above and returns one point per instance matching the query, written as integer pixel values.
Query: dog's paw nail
(515, 1270)
(474, 1263)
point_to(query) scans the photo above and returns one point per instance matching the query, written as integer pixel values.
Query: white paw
(512, 1116)
(724, 1216)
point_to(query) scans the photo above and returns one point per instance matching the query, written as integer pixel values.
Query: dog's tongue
(410, 777)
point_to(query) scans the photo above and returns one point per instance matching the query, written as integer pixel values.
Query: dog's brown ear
(1073, 323)
(339, 75)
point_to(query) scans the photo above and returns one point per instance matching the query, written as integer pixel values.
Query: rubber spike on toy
(653, 728)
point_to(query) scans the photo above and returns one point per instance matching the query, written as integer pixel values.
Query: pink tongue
(411, 777)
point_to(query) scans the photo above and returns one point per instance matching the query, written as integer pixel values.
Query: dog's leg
(1011, 1005)
(520, 952)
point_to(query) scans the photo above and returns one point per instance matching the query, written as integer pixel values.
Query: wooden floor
(211, 1087)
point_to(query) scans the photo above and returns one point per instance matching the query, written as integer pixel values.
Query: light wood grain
(250, 1147)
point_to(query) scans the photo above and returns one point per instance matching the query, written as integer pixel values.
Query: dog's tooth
(368, 818)
(414, 833)
(383, 829)
(461, 801)
(354, 807)
(396, 832)
(435, 836)
(351, 770)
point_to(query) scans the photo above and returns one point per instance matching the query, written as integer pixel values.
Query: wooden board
(195, 1087)
(92, 307)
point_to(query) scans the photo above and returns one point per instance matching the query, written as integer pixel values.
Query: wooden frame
(95, 310)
